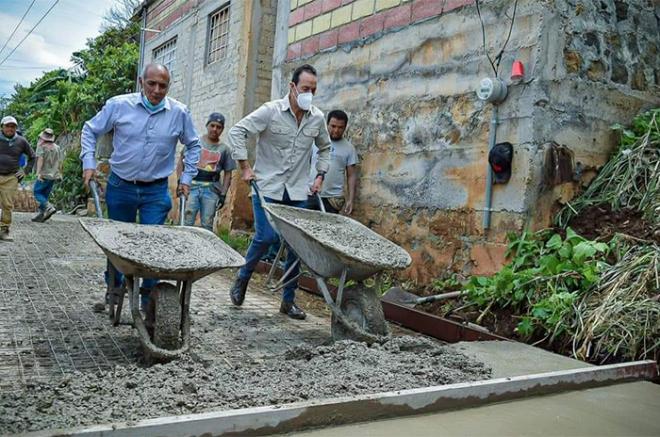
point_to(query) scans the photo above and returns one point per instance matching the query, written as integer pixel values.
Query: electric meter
(492, 90)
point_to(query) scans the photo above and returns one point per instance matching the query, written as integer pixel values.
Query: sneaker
(39, 217)
(50, 210)
(237, 291)
(292, 310)
(4, 235)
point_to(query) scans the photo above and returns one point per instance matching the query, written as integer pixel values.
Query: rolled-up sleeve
(100, 124)
(192, 149)
(323, 144)
(253, 123)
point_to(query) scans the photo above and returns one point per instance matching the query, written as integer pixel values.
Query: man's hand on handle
(183, 190)
(348, 208)
(247, 174)
(316, 187)
(88, 175)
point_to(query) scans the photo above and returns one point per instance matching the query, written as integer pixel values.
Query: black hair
(298, 71)
(338, 114)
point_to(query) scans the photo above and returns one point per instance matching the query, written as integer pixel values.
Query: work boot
(292, 310)
(4, 235)
(237, 291)
(50, 210)
(39, 217)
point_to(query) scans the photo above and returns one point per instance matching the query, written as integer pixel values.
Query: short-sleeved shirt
(214, 157)
(52, 159)
(342, 154)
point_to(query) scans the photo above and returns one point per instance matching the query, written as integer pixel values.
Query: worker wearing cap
(12, 146)
(286, 129)
(48, 170)
(208, 192)
(147, 126)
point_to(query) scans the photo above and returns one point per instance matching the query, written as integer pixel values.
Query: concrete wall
(407, 71)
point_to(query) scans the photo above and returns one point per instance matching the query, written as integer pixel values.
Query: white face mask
(304, 100)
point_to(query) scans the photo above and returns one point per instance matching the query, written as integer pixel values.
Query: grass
(237, 241)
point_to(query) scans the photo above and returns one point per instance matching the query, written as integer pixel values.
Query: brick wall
(317, 25)
(24, 200)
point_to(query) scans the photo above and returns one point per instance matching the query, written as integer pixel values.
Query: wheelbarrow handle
(255, 187)
(182, 209)
(94, 187)
(321, 205)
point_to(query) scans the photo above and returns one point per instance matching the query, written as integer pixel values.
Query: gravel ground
(346, 236)
(64, 366)
(187, 386)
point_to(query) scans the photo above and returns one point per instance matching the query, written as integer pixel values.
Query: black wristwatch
(321, 174)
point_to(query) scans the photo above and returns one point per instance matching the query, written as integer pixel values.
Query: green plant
(70, 191)
(631, 178)
(238, 242)
(546, 275)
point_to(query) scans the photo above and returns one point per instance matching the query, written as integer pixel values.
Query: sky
(64, 31)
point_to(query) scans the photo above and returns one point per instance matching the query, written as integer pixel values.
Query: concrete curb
(339, 411)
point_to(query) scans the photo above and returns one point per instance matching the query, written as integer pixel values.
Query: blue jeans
(42, 190)
(264, 236)
(203, 200)
(125, 200)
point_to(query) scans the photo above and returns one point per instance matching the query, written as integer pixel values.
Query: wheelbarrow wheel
(167, 315)
(361, 317)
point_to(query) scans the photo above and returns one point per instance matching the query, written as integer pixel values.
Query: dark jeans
(42, 190)
(264, 237)
(125, 200)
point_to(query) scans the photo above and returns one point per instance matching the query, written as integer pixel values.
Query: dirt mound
(599, 222)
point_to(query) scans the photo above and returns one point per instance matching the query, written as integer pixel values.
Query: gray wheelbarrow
(336, 246)
(178, 253)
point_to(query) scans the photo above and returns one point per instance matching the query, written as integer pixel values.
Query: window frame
(173, 42)
(207, 52)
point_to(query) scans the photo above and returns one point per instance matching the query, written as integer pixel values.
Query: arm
(191, 153)
(323, 162)
(253, 123)
(100, 124)
(40, 163)
(351, 175)
(29, 152)
(226, 182)
(179, 167)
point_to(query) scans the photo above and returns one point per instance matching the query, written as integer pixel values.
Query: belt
(144, 183)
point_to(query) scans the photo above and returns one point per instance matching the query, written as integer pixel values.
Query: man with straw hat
(49, 162)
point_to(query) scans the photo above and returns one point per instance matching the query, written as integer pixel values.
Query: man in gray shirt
(286, 129)
(343, 162)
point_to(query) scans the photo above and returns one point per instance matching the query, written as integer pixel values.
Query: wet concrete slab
(620, 410)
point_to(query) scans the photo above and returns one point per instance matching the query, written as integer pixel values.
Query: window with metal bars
(166, 54)
(218, 35)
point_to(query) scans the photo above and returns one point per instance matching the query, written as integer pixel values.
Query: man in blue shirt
(146, 127)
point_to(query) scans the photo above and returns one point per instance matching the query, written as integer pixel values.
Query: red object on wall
(517, 70)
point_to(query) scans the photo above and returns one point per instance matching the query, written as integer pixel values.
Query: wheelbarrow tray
(182, 253)
(349, 245)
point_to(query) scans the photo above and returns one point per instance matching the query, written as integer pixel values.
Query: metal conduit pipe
(492, 136)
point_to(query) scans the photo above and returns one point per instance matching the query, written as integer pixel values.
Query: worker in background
(48, 170)
(12, 146)
(208, 191)
(343, 169)
(147, 126)
(286, 130)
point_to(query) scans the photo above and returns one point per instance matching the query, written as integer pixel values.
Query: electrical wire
(17, 26)
(30, 32)
(498, 58)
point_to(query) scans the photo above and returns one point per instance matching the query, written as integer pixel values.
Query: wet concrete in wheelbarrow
(241, 357)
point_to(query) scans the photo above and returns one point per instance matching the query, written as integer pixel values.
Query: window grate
(166, 54)
(218, 35)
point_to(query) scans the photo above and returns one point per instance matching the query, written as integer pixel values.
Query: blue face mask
(150, 106)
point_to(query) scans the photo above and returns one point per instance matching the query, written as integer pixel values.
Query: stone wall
(407, 71)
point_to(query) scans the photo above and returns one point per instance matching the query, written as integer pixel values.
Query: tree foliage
(64, 99)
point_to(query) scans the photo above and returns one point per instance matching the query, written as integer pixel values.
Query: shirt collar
(137, 101)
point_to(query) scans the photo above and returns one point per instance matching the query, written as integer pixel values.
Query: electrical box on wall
(492, 90)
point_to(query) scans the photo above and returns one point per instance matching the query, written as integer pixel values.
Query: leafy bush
(542, 282)
(70, 191)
